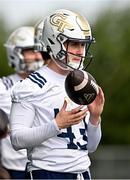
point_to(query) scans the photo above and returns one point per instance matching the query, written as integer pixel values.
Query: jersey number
(69, 134)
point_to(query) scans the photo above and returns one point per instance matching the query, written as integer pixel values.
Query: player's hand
(66, 118)
(96, 107)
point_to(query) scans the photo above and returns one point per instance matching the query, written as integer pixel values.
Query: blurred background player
(59, 134)
(38, 43)
(4, 124)
(23, 58)
(4, 130)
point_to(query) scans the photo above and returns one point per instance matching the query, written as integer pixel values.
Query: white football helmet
(61, 26)
(38, 44)
(21, 39)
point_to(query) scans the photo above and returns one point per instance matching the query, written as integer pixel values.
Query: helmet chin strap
(75, 65)
(68, 66)
(72, 64)
(67, 63)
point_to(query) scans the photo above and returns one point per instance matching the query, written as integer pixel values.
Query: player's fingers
(75, 122)
(101, 95)
(78, 119)
(80, 114)
(76, 110)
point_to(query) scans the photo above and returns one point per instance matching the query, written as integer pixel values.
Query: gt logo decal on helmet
(61, 22)
(83, 24)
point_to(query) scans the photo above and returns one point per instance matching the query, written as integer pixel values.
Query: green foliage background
(4, 69)
(110, 67)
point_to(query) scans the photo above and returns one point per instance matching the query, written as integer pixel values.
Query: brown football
(81, 87)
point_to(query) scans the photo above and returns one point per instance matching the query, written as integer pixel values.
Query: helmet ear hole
(49, 49)
(52, 42)
(45, 55)
(12, 65)
(12, 57)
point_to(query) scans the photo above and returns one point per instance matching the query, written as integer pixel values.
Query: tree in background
(111, 66)
(4, 69)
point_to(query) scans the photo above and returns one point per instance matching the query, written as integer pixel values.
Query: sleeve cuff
(55, 125)
(95, 126)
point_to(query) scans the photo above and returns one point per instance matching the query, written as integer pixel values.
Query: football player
(57, 133)
(23, 58)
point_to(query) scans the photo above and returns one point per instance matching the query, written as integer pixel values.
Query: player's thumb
(64, 105)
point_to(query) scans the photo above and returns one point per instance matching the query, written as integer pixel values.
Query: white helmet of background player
(61, 26)
(38, 44)
(21, 39)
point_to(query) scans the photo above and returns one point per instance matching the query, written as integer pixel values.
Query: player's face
(77, 49)
(75, 52)
(31, 56)
(32, 60)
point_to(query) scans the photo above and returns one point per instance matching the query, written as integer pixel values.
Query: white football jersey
(36, 101)
(11, 159)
